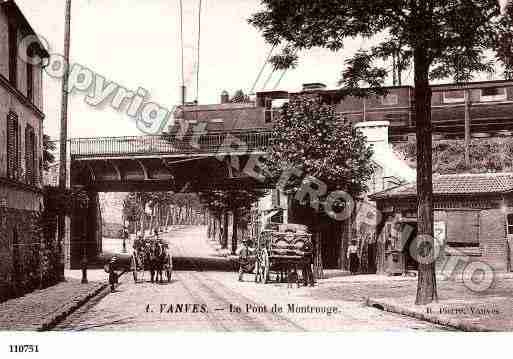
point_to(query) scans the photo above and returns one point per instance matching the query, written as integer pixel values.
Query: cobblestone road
(210, 300)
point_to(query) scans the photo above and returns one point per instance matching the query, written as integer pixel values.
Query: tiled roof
(456, 184)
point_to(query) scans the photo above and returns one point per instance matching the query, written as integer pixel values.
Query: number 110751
(22, 348)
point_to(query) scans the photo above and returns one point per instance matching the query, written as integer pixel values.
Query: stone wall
(492, 238)
(28, 261)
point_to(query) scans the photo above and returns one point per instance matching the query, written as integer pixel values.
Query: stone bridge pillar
(86, 233)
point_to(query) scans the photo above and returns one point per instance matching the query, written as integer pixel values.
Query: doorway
(410, 263)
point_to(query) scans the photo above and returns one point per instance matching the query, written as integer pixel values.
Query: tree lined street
(138, 306)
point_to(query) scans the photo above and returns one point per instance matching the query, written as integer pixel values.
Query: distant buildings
(22, 256)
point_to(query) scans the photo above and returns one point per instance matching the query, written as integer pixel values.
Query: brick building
(473, 216)
(22, 257)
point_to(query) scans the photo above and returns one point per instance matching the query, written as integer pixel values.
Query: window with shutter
(510, 223)
(463, 228)
(30, 166)
(13, 149)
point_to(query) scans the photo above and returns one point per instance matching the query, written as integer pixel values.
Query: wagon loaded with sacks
(283, 249)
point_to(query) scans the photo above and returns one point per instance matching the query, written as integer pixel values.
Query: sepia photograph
(201, 166)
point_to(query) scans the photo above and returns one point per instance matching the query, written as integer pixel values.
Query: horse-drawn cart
(282, 248)
(151, 255)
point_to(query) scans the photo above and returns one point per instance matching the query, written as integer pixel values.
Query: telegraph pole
(64, 131)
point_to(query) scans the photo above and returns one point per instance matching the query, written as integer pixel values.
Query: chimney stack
(376, 133)
(183, 95)
(225, 97)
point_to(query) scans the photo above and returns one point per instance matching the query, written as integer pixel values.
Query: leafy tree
(440, 38)
(311, 139)
(165, 206)
(504, 41)
(238, 202)
(132, 208)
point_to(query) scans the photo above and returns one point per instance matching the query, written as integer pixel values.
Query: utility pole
(64, 131)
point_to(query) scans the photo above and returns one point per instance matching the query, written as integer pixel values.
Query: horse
(164, 262)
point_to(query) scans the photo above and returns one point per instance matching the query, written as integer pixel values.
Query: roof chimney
(225, 97)
(376, 133)
(314, 86)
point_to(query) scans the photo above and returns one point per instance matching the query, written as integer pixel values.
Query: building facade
(473, 220)
(21, 126)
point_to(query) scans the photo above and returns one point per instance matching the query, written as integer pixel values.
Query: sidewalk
(458, 306)
(42, 309)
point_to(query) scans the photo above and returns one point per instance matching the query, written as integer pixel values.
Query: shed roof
(455, 185)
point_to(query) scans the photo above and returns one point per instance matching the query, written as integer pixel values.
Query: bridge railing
(232, 141)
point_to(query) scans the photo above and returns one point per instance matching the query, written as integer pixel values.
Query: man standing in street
(246, 258)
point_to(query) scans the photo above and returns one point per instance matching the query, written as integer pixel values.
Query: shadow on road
(203, 264)
(180, 263)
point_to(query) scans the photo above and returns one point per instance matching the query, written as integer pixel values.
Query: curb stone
(56, 318)
(418, 314)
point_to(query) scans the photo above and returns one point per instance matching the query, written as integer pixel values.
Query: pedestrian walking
(246, 258)
(352, 255)
(308, 277)
(113, 276)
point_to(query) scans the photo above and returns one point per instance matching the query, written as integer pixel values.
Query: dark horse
(160, 260)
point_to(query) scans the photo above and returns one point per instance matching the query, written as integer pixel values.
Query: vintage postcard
(255, 166)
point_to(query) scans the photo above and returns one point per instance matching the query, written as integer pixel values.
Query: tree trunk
(234, 232)
(217, 228)
(143, 218)
(426, 288)
(209, 228)
(152, 219)
(214, 227)
(345, 237)
(224, 242)
(167, 217)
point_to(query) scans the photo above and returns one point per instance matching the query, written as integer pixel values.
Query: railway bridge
(189, 163)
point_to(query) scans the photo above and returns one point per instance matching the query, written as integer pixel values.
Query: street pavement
(202, 299)
(44, 308)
